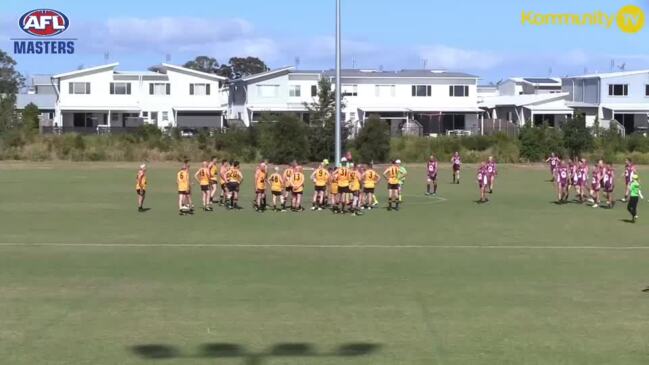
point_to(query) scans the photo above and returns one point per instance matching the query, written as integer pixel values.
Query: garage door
(198, 119)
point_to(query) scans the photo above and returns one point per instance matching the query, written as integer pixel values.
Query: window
(159, 88)
(294, 90)
(618, 89)
(165, 116)
(79, 88)
(145, 114)
(384, 90)
(267, 91)
(349, 90)
(154, 118)
(199, 89)
(421, 90)
(314, 90)
(352, 116)
(646, 90)
(120, 88)
(510, 116)
(458, 90)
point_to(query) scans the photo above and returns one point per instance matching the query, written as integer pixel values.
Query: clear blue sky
(482, 37)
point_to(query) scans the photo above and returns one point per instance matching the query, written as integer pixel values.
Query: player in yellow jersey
(140, 187)
(260, 187)
(297, 184)
(213, 168)
(276, 188)
(370, 178)
(342, 177)
(287, 175)
(225, 166)
(185, 205)
(202, 177)
(392, 175)
(355, 189)
(320, 177)
(234, 178)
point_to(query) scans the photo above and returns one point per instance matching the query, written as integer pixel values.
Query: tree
(576, 137)
(373, 140)
(10, 81)
(246, 66)
(30, 117)
(283, 140)
(204, 64)
(322, 123)
(323, 110)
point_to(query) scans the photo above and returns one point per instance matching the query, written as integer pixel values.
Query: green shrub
(373, 141)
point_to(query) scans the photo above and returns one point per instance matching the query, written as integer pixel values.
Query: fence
(494, 126)
(88, 130)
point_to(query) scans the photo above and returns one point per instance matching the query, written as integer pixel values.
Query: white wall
(100, 98)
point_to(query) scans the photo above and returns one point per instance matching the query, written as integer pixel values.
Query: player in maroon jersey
(562, 178)
(431, 175)
(553, 162)
(595, 185)
(609, 185)
(457, 163)
(629, 170)
(492, 171)
(483, 182)
(582, 175)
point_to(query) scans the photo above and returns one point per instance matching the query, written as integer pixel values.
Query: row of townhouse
(427, 102)
(430, 101)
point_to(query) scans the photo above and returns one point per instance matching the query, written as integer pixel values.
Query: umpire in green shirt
(635, 194)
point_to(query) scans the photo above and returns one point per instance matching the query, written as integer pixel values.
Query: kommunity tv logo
(629, 19)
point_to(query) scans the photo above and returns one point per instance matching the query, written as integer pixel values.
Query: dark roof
(401, 73)
(541, 80)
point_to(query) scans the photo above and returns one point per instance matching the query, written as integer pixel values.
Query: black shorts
(183, 192)
(214, 182)
(260, 191)
(205, 188)
(393, 186)
(289, 189)
(223, 187)
(298, 192)
(343, 190)
(320, 188)
(277, 193)
(233, 186)
(140, 192)
(355, 192)
(368, 190)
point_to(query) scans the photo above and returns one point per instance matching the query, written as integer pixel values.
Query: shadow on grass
(156, 351)
(230, 350)
(627, 220)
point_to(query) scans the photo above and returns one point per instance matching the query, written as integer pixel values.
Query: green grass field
(85, 279)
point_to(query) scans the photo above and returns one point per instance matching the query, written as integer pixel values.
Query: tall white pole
(338, 91)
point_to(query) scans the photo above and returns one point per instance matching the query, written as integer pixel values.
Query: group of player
(588, 183)
(345, 188)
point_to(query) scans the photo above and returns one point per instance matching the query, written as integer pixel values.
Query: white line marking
(318, 245)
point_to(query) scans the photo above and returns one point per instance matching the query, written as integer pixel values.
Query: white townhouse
(435, 101)
(620, 96)
(530, 85)
(521, 100)
(174, 96)
(283, 90)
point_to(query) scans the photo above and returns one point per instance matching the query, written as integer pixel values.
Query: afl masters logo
(43, 23)
(629, 19)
